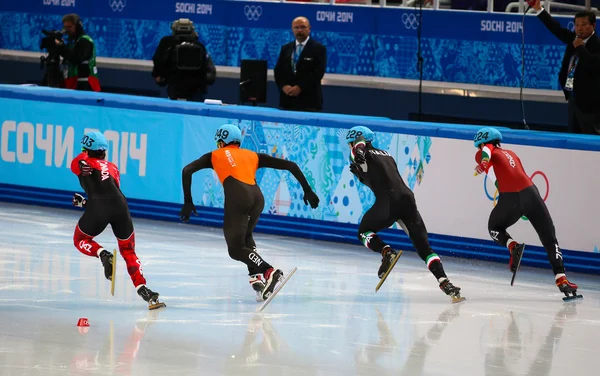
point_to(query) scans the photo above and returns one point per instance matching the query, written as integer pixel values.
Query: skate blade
(572, 298)
(388, 271)
(156, 305)
(279, 287)
(114, 273)
(512, 281)
(457, 299)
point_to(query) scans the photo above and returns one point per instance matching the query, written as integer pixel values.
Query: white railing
(518, 6)
(548, 5)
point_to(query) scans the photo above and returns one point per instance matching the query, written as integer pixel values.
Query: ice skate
(257, 281)
(452, 291)
(568, 288)
(107, 261)
(515, 260)
(150, 297)
(272, 277)
(389, 260)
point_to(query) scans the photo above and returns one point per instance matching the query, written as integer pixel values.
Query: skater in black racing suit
(394, 202)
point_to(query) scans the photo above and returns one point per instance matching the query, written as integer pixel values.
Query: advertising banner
(38, 140)
(470, 47)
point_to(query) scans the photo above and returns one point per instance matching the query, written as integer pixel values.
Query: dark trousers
(243, 205)
(582, 122)
(528, 202)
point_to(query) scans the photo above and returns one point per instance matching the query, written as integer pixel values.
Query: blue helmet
(356, 132)
(228, 133)
(486, 135)
(94, 141)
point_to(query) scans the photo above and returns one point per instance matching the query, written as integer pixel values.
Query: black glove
(79, 200)
(86, 169)
(186, 211)
(359, 154)
(355, 169)
(312, 198)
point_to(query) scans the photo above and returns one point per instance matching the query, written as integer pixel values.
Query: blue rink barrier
(176, 133)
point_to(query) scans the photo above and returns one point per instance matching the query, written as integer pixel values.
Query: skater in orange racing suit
(244, 201)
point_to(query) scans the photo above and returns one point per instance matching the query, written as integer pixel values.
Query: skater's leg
(122, 227)
(256, 278)
(253, 217)
(539, 217)
(90, 225)
(505, 214)
(411, 221)
(85, 244)
(375, 219)
(235, 227)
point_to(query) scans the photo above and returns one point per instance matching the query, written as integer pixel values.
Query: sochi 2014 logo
(544, 188)
(117, 5)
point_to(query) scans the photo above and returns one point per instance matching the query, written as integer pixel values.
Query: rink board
(151, 140)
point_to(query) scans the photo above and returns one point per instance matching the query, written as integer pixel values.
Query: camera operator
(182, 63)
(79, 56)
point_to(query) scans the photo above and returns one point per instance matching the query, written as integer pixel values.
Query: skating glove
(481, 168)
(359, 154)
(86, 169)
(186, 211)
(356, 170)
(79, 200)
(312, 198)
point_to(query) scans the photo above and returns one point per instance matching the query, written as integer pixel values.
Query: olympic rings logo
(117, 5)
(253, 12)
(494, 198)
(410, 21)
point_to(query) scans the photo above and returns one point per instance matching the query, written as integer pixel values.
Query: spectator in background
(79, 56)
(580, 71)
(182, 63)
(299, 70)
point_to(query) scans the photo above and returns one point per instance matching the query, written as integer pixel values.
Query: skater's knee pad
(127, 245)
(85, 243)
(79, 235)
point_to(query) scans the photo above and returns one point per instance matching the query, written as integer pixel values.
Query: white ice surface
(328, 320)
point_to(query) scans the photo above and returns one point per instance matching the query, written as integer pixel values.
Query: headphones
(78, 23)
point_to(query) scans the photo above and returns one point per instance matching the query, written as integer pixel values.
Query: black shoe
(107, 261)
(388, 257)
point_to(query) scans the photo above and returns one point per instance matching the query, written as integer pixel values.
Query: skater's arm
(484, 163)
(310, 197)
(203, 162)
(266, 161)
